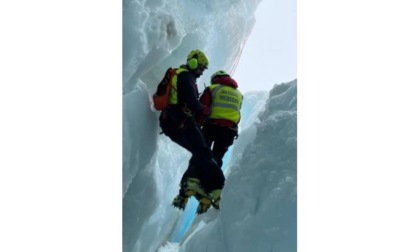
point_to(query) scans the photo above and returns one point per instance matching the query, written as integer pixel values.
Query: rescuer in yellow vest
(220, 127)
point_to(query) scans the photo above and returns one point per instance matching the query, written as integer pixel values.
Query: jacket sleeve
(187, 92)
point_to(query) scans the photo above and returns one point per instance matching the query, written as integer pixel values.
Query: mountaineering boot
(190, 193)
(185, 192)
(215, 198)
(180, 202)
(204, 205)
(193, 184)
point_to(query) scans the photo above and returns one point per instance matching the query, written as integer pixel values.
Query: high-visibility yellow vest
(173, 96)
(226, 103)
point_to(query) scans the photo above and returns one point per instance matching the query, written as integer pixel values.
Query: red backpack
(161, 96)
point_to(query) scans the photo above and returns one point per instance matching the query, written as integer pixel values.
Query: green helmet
(217, 74)
(196, 58)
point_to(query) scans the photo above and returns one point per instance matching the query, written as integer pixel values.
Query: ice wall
(259, 199)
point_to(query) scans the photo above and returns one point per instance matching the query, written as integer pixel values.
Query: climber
(178, 122)
(220, 127)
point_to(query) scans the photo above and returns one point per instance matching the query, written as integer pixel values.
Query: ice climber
(220, 127)
(179, 122)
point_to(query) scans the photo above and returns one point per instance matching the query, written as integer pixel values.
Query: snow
(258, 207)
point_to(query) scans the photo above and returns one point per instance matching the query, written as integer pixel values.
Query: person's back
(220, 127)
(225, 102)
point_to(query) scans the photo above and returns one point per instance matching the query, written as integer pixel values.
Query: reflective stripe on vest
(226, 103)
(173, 96)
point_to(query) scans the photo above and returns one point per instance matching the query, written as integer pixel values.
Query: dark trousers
(201, 165)
(221, 137)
